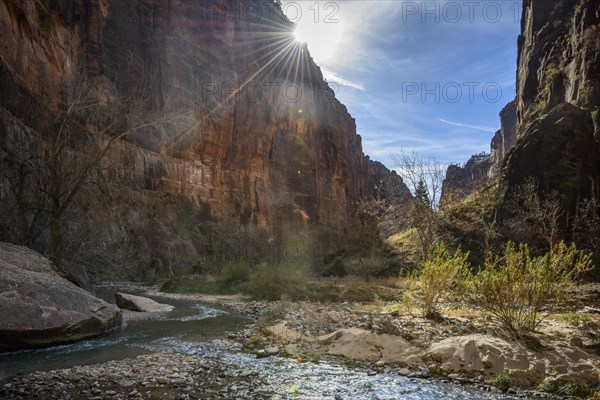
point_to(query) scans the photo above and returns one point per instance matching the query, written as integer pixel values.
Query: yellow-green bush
(270, 282)
(441, 273)
(513, 289)
(236, 272)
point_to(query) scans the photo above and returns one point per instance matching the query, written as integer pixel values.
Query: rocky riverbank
(221, 371)
(464, 347)
(293, 346)
(155, 376)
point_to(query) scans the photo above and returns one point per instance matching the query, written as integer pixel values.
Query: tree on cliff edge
(47, 165)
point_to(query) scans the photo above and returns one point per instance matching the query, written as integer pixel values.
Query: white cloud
(331, 76)
(476, 127)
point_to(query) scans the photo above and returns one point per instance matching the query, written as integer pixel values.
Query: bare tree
(488, 219)
(424, 177)
(585, 226)
(48, 164)
(416, 170)
(534, 216)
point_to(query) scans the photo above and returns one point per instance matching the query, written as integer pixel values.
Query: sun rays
(271, 65)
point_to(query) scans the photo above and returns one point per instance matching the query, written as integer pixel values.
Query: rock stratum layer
(265, 144)
(39, 308)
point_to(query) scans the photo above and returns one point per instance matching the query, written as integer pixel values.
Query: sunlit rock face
(268, 145)
(460, 180)
(503, 140)
(482, 170)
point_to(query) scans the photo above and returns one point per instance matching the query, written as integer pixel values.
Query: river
(201, 329)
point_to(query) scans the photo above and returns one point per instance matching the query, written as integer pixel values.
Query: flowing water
(198, 329)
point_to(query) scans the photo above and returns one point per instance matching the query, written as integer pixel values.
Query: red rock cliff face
(269, 145)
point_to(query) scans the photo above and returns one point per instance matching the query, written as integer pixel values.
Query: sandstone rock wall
(268, 144)
(503, 140)
(462, 180)
(558, 95)
(482, 169)
(559, 57)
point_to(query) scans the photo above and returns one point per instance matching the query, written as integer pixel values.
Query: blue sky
(424, 76)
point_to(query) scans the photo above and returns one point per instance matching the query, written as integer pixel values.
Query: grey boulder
(140, 304)
(40, 308)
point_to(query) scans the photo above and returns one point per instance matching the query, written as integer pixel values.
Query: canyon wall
(256, 142)
(550, 133)
(503, 140)
(482, 169)
(558, 96)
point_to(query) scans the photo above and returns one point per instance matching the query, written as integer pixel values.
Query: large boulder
(40, 308)
(140, 304)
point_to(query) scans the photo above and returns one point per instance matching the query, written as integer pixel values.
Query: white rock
(140, 304)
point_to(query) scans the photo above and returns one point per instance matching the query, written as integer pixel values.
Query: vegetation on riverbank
(516, 299)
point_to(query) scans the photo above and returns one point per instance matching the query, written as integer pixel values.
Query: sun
(299, 35)
(322, 39)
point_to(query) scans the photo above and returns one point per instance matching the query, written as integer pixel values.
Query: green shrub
(502, 382)
(270, 282)
(553, 73)
(441, 273)
(353, 364)
(255, 343)
(235, 272)
(547, 385)
(575, 389)
(513, 289)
